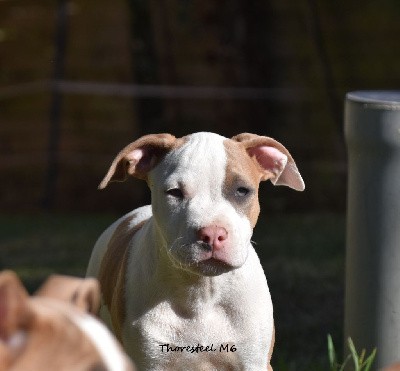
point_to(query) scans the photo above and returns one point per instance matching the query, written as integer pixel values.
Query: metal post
(372, 302)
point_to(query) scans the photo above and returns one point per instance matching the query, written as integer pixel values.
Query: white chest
(215, 338)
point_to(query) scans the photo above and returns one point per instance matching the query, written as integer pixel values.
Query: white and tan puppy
(52, 330)
(181, 283)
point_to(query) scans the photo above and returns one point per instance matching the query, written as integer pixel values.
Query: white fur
(200, 167)
(103, 342)
(17, 340)
(170, 297)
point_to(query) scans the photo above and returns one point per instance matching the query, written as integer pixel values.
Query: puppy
(52, 330)
(181, 283)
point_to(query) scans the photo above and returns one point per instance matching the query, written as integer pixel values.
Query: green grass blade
(354, 354)
(369, 361)
(345, 363)
(332, 354)
(361, 358)
(361, 361)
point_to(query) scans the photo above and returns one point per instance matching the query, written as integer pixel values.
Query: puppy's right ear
(13, 304)
(139, 157)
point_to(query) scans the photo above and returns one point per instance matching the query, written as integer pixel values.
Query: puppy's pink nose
(214, 236)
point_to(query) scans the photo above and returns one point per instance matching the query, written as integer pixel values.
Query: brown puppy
(52, 329)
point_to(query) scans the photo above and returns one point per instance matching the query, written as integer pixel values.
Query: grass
(361, 362)
(302, 255)
(38, 245)
(303, 259)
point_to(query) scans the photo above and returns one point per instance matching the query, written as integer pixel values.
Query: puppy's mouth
(213, 266)
(199, 258)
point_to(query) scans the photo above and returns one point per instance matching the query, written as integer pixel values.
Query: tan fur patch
(54, 342)
(112, 275)
(252, 140)
(241, 170)
(271, 348)
(82, 293)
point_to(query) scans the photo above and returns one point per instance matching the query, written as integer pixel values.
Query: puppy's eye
(242, 192)
(175, 192)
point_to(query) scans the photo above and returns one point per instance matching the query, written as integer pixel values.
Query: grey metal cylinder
(372, 299)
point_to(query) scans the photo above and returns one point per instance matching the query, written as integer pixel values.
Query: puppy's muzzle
(212, 237)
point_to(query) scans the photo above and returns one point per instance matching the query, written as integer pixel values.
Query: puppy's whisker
(175, 242)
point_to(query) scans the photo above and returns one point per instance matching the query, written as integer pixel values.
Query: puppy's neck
(188, 292)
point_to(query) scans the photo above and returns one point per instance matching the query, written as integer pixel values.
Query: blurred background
(81, 79)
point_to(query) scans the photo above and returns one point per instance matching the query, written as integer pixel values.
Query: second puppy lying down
(52, 330)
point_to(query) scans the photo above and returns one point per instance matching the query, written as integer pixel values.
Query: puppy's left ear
(14, 308)
(83, 293)
(273, 159)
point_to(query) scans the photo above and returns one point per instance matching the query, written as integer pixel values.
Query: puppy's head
(52, 329)
(205, 192)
